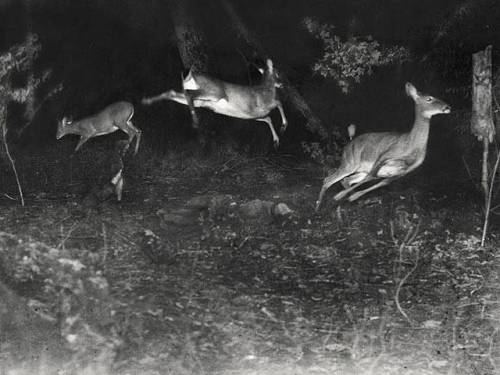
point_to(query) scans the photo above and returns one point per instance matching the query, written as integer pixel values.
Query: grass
(394, 283)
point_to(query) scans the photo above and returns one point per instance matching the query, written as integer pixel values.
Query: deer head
(61, 127)
(427, 105)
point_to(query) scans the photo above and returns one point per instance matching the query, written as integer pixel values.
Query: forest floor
(210, 280)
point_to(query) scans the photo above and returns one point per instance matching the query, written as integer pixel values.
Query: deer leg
(268, 121)
(283, 117)
(194, 115)
(330, 181)
(345, 184)
(82, 140)
(352, 179)
(134, 132)
(185, 98)
(163, 96)
(359, 194)
(175, 96)
(117, 181)
(343, 193)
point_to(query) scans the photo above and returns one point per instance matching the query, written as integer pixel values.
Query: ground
(202, 279)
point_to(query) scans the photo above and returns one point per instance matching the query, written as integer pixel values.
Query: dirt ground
(209, 280)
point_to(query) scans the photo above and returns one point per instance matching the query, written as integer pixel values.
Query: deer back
(116, 114)
(233, 99)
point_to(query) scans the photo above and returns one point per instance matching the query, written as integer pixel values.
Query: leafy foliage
(348, 61)
(20, 58)
(71, 291)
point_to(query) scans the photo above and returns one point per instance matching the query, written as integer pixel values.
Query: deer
(110, 119)
(229, 99)
(385, 156)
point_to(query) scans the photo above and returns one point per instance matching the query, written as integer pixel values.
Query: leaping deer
(110, 119)
(386, 156)
(229, 99)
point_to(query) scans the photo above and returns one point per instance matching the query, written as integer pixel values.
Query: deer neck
(419, 134)
(268, 81)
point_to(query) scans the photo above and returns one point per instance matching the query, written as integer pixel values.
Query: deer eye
(429, 99)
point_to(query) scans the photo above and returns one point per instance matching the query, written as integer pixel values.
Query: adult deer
(110, 119)
(229, 99)
(386, 156)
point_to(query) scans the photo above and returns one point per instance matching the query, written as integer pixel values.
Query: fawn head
(61, 127)
(426, 105)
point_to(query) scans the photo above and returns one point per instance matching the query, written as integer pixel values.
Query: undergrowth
(395, 283)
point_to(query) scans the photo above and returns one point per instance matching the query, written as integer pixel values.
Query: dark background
(111, 50)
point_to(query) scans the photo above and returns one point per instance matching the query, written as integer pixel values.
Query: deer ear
(411, 90)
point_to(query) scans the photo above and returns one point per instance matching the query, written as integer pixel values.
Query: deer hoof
(283, 128)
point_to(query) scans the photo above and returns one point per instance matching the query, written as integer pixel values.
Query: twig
(13, 165)
(104, 240)
(66, 237)
(488, 200)
(467, 169)
(398, 290)
(410, 237)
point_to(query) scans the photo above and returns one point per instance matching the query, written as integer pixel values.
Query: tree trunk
(291, 93)
(191, 46)
(482, 125)
(190, 41)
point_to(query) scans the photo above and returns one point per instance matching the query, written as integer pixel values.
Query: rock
(281, 209)
(259, 208)
(216, 206)
(256, 208)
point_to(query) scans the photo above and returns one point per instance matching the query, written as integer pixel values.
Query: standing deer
(110, 119)
(239, 101)
(386, 156)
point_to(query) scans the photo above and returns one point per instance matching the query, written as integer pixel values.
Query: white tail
(239, 101)
(110, 119)
(351, 131)
(385, 156)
